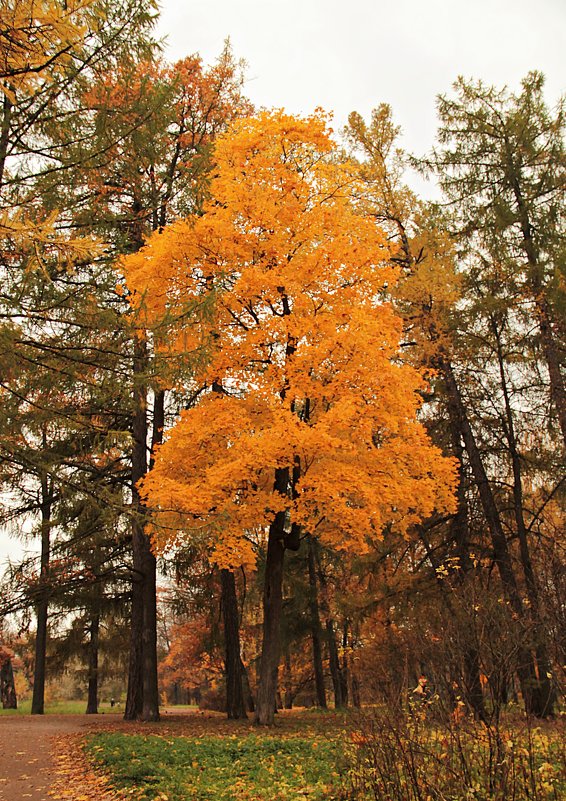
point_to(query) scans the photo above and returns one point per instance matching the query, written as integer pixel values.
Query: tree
(314, 430)
(500, 163)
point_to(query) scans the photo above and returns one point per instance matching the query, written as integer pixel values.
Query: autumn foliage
(302, 347)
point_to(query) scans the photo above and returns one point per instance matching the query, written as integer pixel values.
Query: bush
(413, 754)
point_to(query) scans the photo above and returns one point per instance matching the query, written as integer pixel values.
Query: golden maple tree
(311, 422)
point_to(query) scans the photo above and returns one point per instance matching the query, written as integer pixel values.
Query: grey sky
(349, 55)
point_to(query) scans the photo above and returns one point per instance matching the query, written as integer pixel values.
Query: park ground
(190, 755)
(57, 756)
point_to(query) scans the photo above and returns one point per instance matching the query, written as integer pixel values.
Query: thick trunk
(150, 703)
(7, 686)
(38, 698)
(235, 702)
(272, 606)
(315, 628)
(526, 669)
(92, 699)
(143, 696)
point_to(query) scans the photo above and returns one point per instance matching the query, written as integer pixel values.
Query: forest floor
(42, 757)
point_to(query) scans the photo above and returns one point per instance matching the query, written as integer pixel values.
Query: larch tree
(471, 325)
(310, 425)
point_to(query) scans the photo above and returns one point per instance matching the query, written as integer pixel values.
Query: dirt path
(26, 751)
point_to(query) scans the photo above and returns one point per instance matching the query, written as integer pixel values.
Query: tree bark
(7, 685)
(143, 696)
(235, 702)
(38, 698)
(526, 670)
(272, 606)
(92, 698)
(334, 662)
(315, 628)
(544, 687)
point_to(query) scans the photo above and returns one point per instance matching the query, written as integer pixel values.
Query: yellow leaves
(40, 245)
(37, 36)
(304, 345)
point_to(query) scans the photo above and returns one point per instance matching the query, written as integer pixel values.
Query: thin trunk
(92, 700)
(235, 703)
(345, 669)
(247, 690)
(526, 669)
(334, 662)
(38, 699)
(549, 346)
(333, 658)
(460, 535)
(5, 134)
(315, 628)
(7, 685)
(287, 679)
(544, 687)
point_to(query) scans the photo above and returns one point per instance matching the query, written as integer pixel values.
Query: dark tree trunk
(92, 699)
(530, 686)
(134, 698)
(235, 703)
(550, 347)
(315, 628)
(248, 695)
(143, 696)
(544, 689)
(345, 668)
(38, 698)
(334, 662)
(287, 679)
(272, 606)
(7, 686)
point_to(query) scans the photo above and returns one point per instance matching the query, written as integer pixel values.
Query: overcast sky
(347, 55)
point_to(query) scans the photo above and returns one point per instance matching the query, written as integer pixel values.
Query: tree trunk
(7, 686)
(272, 606)
(38, 698)
(235, 703)
(92, 699)
(334, 662)
(544, 687)
(143, 696)
(315, 628)
(549, 345)
(526, 669)
(247, 690)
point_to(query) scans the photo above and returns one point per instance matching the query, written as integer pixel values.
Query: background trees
(303, 354)
(265, 320)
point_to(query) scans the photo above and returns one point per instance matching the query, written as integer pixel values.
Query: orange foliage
(191, 662)
(303, 343)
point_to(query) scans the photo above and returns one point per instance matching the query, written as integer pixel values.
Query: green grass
(213, 768)
(58, 708)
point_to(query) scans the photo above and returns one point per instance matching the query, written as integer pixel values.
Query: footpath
(27, 751)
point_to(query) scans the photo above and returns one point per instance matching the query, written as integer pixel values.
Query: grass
(59, 708)
(214, 768)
